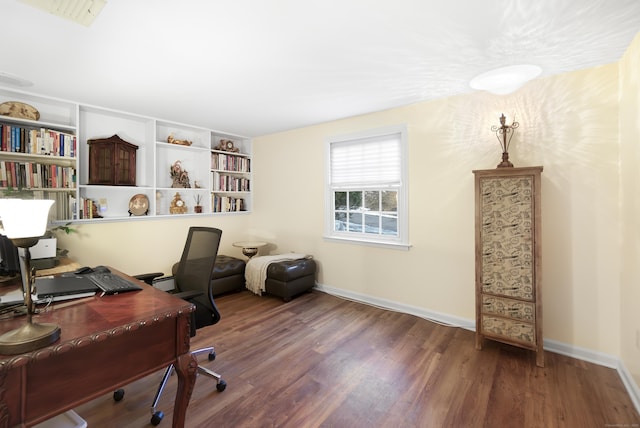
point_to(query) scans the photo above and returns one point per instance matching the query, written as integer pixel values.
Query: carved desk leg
(186, 367)
(4, 409)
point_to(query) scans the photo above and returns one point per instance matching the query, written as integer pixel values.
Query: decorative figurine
(172, 140)
(179, 176)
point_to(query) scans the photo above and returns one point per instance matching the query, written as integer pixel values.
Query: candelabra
(504, 133)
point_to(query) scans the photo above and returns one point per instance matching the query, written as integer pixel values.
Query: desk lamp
(24, 222)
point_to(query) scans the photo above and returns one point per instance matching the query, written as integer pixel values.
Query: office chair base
(221, 385)
(156, 418)
(118, 394)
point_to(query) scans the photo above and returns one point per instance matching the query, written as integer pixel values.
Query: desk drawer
(512, 330)
(515, 309)
(96, 367)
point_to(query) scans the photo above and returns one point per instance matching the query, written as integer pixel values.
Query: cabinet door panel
(507, 240)
(101, 165)
(125, 170)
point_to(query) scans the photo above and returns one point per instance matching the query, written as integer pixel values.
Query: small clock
(229, 145)
(177, 205)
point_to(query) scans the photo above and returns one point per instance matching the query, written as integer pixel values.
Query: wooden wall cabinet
(112, 162)
(508, 257)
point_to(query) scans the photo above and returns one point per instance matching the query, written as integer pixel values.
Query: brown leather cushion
(228, 266)
(288, 270)
(224, 266)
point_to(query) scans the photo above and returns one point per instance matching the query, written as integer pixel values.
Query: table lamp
(24, 222)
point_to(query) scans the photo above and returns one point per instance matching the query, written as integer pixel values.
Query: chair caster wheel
(157, 418)
(221, 386)
(118, 394)
(212, 355)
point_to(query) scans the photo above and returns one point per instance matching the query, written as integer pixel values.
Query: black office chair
(192, 276)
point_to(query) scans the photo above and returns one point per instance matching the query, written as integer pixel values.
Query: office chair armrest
(186, 295)
(148, 277)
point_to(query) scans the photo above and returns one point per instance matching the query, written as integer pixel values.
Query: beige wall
(145, 246)
(629, 124)
(568, 123)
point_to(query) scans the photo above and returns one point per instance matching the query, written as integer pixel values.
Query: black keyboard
(110, 283)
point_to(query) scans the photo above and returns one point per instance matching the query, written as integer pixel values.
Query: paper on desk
(13, 296)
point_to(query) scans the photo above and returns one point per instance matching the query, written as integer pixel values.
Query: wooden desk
(106, 343)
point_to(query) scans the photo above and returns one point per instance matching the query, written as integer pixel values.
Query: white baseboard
(437, 317)
(631, 385)
(583, 354)
(450, 320)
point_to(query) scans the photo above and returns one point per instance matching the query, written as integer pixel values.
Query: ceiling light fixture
(505, 80)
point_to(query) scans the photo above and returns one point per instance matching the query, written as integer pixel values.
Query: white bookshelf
(154, 158)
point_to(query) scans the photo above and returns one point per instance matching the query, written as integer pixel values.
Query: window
(366, 197)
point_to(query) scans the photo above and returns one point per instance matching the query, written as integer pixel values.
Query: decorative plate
(19, 110)
(139, 204)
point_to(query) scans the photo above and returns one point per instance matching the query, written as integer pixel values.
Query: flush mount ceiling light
(83, 12)
(505, 80)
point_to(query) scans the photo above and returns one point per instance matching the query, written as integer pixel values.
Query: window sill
(368, 243)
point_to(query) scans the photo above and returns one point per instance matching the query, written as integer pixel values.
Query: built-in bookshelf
(230, 175)
(38, 157)
(49, 158)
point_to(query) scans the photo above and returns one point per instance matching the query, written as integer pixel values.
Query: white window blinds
(367, 162)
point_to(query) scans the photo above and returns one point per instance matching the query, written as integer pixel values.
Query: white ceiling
(255, 67)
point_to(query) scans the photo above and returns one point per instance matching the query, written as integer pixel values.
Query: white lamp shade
(24, 218)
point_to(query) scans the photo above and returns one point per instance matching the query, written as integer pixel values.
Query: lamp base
(505, 161)
(29, 337)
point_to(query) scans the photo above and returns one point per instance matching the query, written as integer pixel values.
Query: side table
(249, 248)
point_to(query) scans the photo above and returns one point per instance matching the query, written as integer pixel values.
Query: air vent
(83, 12)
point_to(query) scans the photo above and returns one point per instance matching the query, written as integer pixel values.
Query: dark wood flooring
(322, 361)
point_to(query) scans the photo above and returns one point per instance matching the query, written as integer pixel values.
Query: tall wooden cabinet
(508, 257)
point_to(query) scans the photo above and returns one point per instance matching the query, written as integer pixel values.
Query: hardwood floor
(321, 361)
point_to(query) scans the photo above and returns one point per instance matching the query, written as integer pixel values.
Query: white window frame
(397, 242)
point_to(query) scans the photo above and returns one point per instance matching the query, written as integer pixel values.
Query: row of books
(229, 183)
(36, 141)
(224, 162)
(87, 209)
(65, 206)
(32, 175)
(224, 204)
